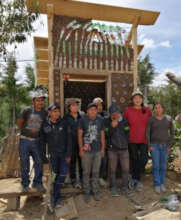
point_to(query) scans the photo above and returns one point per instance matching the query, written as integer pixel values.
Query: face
(74, 107)
(38, 103)
(158, 109)
(115, 116)
(137, 100)
(54, 114)
(92, 112)
(99, 107)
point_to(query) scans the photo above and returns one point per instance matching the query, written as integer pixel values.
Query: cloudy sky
(162, 40)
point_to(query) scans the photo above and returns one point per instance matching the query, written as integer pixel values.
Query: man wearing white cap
(29, 124)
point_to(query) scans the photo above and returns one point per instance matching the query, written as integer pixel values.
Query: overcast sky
(162, 40)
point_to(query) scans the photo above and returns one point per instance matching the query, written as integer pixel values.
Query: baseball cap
(137, 92)
(53, 107)
(38, 94)
(113, 109)
(72, 101)
(97, 100)
(90, 105)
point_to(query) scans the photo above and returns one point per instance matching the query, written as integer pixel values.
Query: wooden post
(135, 60)
(61, 94)
(109, 90)
(50, 12)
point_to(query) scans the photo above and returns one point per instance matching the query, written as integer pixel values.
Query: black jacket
(73, 124)
(118, 137)
(57, 136)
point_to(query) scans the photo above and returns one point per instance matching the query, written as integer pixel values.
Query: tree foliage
(146, 71)
(15, 23)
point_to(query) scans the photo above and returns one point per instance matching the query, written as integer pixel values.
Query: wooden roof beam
(135, 24)
(95, 11)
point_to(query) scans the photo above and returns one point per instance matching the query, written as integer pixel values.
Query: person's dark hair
(143, 109)
(158, 103)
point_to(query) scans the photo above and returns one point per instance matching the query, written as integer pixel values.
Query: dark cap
(90, 105)
(72, 101)
(113, 109)
(53, 107)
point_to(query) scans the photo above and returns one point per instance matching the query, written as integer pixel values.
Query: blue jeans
(29, 148)
(60, 168)
(159, 160)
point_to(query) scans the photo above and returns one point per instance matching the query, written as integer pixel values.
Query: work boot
(115, 192)
(127, 192)
(58, 204)
(138, 186)
(51, 204)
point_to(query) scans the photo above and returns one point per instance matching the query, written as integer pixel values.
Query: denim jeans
(60, 168)
(29, 148)
(159, 160)
(91, 164)
(138, 158)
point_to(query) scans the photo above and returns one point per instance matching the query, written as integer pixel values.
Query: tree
(146, 72)
(12, 91)
(15, 23)
(30, 81)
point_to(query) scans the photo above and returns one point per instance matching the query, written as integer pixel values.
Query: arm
(20, 123)
(171, 138)
(80, 142)
(103, 143)
(43, 143)
(148, 134)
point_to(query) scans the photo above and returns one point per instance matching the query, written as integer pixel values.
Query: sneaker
(39, 187)
(86, 197)
(162, 188)
(102, 182)
(115, 192)
(157, 189)
(96, 196)
(138, 186)
(58, 204)
(25, 189)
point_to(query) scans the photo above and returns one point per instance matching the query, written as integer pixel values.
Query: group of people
(89, 145)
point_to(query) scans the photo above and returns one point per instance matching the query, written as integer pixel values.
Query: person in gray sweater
(160, 134)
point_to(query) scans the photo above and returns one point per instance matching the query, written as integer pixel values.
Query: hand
(151, 149)
(114, 123)
(68, 159)
(168, 149)
(81, 153)
(102, 153)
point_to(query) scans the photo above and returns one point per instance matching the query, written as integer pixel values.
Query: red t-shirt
(137, 123)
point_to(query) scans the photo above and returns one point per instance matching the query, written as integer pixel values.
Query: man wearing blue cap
(57, 134)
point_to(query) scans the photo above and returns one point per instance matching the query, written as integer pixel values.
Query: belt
(28, 138)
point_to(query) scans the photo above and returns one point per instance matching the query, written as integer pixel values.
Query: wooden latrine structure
(82, 59)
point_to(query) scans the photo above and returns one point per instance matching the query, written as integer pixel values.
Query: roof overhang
(95, 11)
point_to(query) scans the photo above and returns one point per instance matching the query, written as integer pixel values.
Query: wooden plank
(42, 74)
(135, 60)
(13, 204)
(42, 65)
(61, 94)
(50, 10)
(41, 42)
(95, 11)
(140, 48)
(43, 82)
(41, 54)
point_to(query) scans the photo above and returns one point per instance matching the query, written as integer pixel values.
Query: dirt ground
(109, 208)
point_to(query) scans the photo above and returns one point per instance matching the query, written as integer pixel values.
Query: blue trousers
(29, 148)
(159, 160)
(60, 168)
